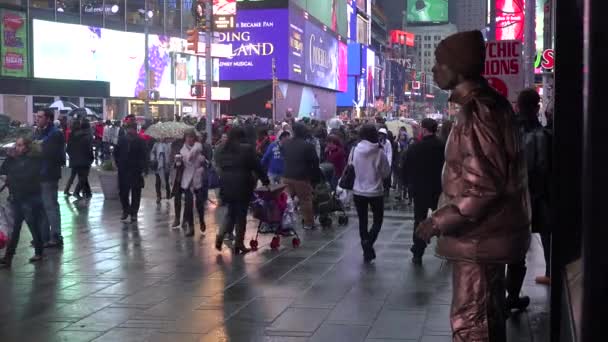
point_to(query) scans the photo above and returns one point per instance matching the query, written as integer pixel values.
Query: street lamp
(147, 15)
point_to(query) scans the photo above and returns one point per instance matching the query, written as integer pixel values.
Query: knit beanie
(463, 52)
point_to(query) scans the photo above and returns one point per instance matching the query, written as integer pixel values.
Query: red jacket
(99, 131)
(337, 157)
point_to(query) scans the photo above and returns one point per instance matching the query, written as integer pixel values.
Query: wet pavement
(146, 282)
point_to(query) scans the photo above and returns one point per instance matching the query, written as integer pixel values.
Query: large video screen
(427, 11)
(260, 36)
(314, 54)
(117, 57)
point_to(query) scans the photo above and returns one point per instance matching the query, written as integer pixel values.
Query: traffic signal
(192, 39)
(197, 90)
(154, 95)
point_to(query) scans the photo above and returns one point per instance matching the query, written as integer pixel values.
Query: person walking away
(80, 151)
(371, 169)
(160, 157)
(401, 174)
(424, 164)
(131, 156)
(75, 126)
(387, 147)
(236, 163)
(273, 159)
(301, 167)
(335, 154)
(482, 221)
(106, 139)
(536, 149)
(52, 143)
(192, 181)
(22, 171)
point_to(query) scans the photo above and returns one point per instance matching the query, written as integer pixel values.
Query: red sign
(510, 19)
(402, 38)
(13, 61)
(503, 68)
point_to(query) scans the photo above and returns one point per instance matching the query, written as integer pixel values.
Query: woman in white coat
(193, 182)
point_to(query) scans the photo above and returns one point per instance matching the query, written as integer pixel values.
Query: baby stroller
(272, 206)
(325, 200)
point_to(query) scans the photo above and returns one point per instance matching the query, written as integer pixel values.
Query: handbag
(213, 179)
(347, 181)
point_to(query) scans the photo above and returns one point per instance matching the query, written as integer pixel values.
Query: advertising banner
(342, 66)
(306, 101)
(112, 56)
(13, 43)
(370, 76)
(510, 18)
(504, 67)
(259, 36)
(297, 60)
(321, 52)
(352, 22)
(354, 59)
(224, 13)
(427, 11)
(347, 98)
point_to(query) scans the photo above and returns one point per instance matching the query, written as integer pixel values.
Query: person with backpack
(536, 150)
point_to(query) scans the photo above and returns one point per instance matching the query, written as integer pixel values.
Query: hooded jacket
(483, 215)
(80, 148)
(371, 168)
(53, 152)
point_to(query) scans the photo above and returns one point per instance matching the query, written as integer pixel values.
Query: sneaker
(417, 260)
(543, 280)
(35, 258)
(176, 224)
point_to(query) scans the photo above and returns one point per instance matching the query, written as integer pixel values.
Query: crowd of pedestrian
(478, 177)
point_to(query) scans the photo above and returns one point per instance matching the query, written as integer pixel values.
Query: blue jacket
(53, 152)
(273, 159)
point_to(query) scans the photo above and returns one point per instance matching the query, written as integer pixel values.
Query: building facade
(426, 41)
(469, 15)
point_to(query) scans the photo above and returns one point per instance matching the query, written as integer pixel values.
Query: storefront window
(13, 2)
(173, 17)
(115, 14)
(135, 14)
(45, 4)
(92, 12)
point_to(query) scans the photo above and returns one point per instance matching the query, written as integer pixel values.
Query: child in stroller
(325, 200)
(273, 207)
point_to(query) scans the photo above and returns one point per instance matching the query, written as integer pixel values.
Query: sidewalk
(146, 282)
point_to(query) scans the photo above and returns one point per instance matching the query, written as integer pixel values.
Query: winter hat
(463, 52)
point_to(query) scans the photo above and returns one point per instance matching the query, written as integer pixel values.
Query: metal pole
(529, 39)
(209, 69)
(274, 90)
(146, 61)
(174, 62)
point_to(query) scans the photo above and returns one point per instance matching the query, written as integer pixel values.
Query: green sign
(427, 11)
(13, 43)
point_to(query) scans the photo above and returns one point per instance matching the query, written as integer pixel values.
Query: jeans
(129, 206)
(83, 181)
(422, 204)
(201, 199)
(236, 215)
(516, 273)
(177, 203)
(368, 237)
(303, 190)
(51, 222)
(25, 210)
(158, 185)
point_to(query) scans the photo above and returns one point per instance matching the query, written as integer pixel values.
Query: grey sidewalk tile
(299, 320)
(340, 333)
(393, 324)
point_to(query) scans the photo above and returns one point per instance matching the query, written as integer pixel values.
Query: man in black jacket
(52, 142)
(424, 164)
(130, 155)
(301, 170)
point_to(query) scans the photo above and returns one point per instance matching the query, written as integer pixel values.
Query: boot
(203, 227)
(219, 240)
(514, 282)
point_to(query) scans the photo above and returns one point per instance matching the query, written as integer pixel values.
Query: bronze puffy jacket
(483, 215)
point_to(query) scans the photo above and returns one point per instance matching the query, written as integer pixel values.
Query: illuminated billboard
(427, 11)
(510, 19)
(117, 57)
(224, 13)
